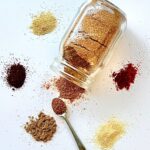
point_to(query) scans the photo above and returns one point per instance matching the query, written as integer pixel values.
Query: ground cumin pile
(44, 23)
(68, 90)
(108, 134)
(42, 128)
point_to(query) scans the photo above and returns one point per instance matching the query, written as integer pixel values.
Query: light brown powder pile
(108, 134)
(42, 128)
(43, 23)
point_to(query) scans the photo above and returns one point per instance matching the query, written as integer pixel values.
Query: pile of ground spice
(43, 23)
(108, 134)
(125, 77)
(16, 75)
(42, 128)
(59, 107)
(68, 90)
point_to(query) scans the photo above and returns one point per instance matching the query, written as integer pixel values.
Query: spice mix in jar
(88, 43)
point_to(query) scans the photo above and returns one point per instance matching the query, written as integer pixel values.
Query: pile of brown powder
(68, 90)
(42, 128)
(43, 23)
(59, 106)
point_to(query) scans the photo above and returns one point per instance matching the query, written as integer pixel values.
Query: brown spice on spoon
(59, 107)
(16, 75)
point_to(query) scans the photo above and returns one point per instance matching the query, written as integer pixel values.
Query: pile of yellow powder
(108, 134)
(43, 23)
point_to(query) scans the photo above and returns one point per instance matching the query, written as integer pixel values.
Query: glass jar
(87, 45)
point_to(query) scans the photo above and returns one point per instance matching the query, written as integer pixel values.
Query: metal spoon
(77, 139)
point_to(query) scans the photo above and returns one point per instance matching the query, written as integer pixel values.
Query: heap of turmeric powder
(43, 23)
(108, 134)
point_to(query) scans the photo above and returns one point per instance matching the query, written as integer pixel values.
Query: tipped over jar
(89, 42)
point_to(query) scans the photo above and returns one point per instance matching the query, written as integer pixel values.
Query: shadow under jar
(87, 45)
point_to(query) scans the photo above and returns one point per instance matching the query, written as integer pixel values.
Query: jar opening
(70, 73)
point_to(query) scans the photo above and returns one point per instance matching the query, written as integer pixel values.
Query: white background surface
(132, 107)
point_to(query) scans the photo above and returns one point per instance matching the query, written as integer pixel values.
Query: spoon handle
(77, 139)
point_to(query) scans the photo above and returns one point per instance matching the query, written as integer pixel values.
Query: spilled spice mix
(44, 23)
(16, 75)
(42, 128)
(68, 90)
(59, 107)
(108, 134)
(125, 77)
(50, 84)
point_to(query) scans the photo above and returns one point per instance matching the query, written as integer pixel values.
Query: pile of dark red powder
(125, 77)
(16, 75)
